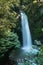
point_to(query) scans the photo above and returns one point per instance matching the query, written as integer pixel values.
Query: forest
(11, 37)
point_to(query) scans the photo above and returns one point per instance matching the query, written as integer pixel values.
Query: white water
(27, 41)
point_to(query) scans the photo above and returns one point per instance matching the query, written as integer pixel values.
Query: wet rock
(37, 42)
(11, 63)
(34, 64)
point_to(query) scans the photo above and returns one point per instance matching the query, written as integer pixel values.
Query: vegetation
(8, 22)
(10, 26)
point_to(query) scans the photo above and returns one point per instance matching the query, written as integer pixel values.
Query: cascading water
(21, 55)
(27, 41)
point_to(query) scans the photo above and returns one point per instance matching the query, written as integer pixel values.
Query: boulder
(37, 42)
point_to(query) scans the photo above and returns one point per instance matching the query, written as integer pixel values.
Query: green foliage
(9, 16)
(8, 42)
(39, 58)
(10, 21)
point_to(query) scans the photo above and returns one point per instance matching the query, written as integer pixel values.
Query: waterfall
(27, 41)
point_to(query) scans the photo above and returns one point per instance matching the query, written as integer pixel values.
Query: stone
(37, 42)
